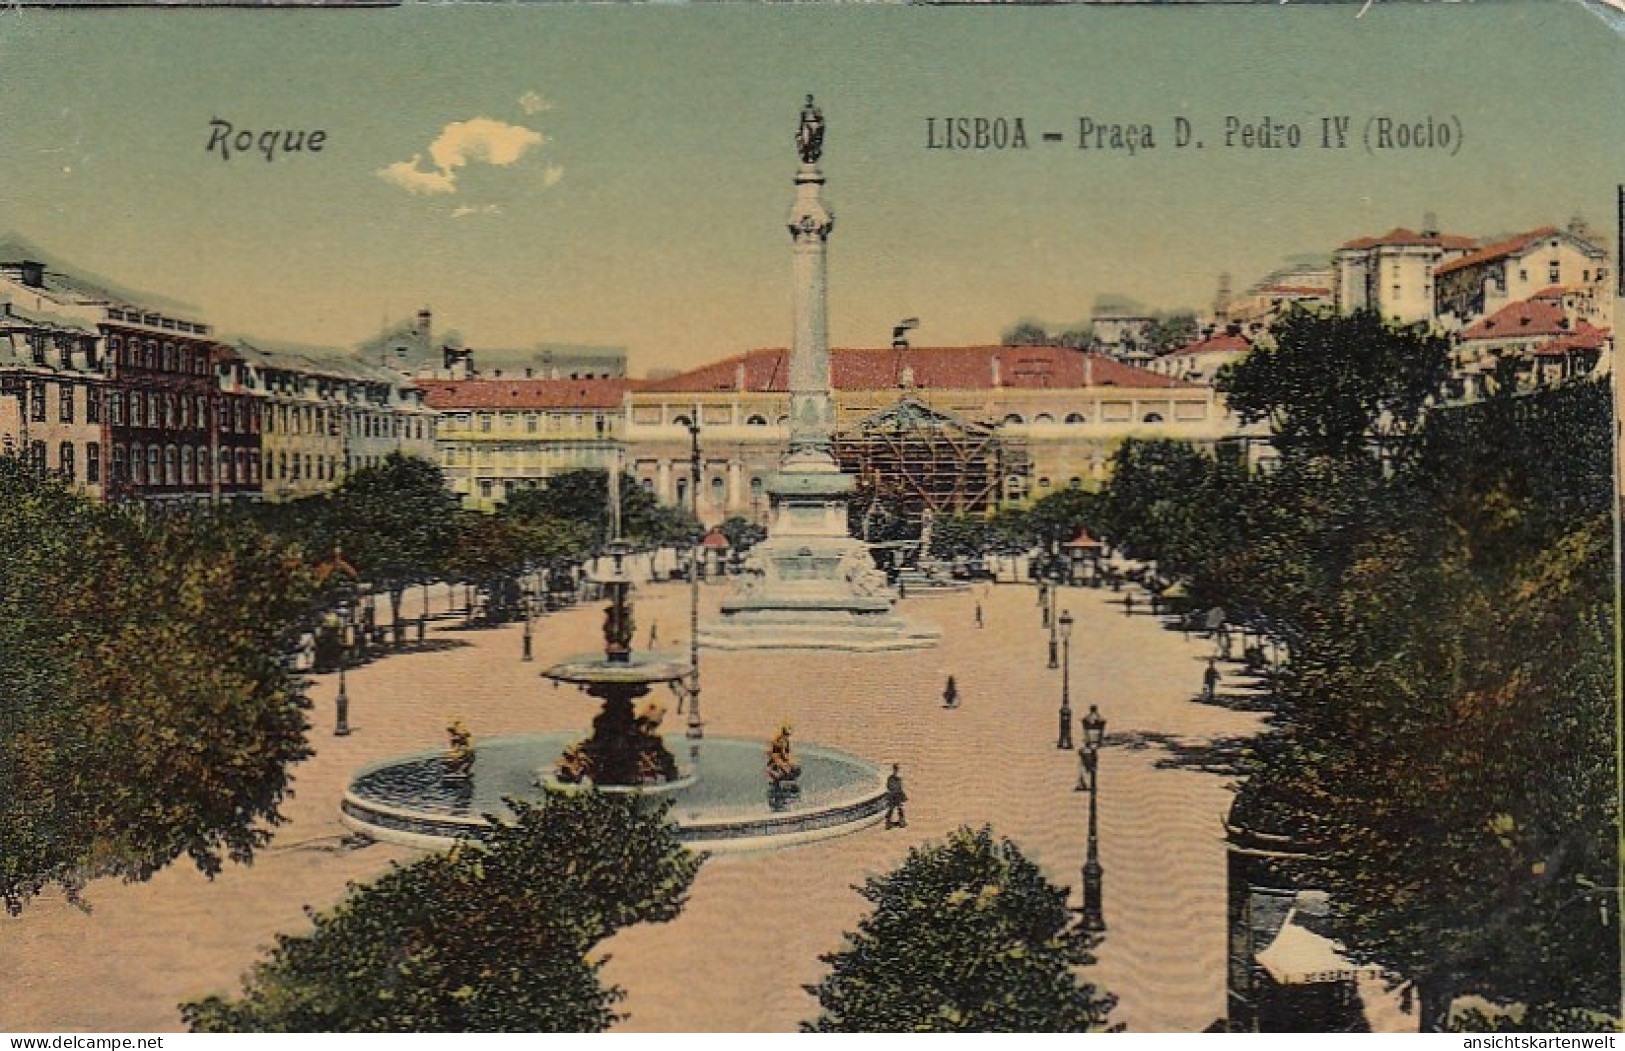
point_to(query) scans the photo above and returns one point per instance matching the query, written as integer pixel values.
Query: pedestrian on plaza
(978, 614)
(1128, 603)
(950, 694)
(1043, 593)
(1210, 680)
(654, 633)
(895, 798)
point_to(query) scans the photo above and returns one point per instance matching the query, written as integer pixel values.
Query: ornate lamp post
(342, 727)
(1065, 740)
(1094, 733)
(696, 728)
(1053, 650)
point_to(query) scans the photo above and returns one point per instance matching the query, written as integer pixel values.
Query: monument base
(814, 593)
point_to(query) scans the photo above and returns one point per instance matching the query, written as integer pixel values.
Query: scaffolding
(915, 458)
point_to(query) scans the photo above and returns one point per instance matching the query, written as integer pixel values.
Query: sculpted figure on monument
(810, 136)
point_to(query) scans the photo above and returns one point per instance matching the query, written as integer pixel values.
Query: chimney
(33, 274)
(739, 376)
(529, 372)
(1430, 224)
(1088, 370)
(997, 382)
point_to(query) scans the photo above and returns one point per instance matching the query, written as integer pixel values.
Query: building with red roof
(1543, 337)
(1394, 273)
(1060, 412)
(499, 435)
(1201, 360)
(1480, 283)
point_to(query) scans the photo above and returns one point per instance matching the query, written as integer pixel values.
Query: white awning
(1299, 956)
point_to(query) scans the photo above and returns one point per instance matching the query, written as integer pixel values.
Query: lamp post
(1053, 649)
(1065, 740)
(1094, 733)
(696, 728)
(528, 608)
(342, 726)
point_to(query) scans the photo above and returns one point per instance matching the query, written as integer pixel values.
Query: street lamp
(696, 729)
(1094, 734)
(525, 598)
(1053, 649)
(342, 727)
(1065, 740)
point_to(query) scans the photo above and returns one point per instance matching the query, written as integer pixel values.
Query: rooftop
(1401, 237)
(525, 393)
(938, 368)
(1499, 250)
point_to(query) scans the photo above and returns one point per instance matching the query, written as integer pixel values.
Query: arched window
(282, 464)
(118, 464)
(1074, 482)
(1014, 419)
(648, 484)
(755, 489)
(1043, 417)
(1043, 483)
(1152, 417)
(681, 421)
(186, 465)
(64, 459)
(155, 473)
(756, 420)
(242, 466)
(1075, 417)
(682, 492)
(203, 465)
(172, 467)
(225, 467)
(718, 488)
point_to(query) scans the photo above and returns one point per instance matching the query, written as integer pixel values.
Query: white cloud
(481, 139)
(551, 175)
(408, 176)
(533, 103)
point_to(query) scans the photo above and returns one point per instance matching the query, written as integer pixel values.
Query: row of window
(66, 344)
(183, 465)
(38, 398)
(168, 411)
(534, 422)
(311, 419)
(167, 357)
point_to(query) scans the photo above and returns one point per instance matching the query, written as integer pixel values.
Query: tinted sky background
(652, 214)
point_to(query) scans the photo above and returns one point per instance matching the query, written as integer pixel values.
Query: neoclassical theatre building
(957, 429)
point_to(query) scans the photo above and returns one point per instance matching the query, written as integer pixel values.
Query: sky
(622, 175)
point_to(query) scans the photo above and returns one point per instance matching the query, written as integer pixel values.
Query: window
(756, 420)
(682, 492)
(36, 402)
(485, 488)
(155, 473)
(172, 467)
(115, 408)
(153, 415)
(682, 421)
(138, 409)
(485, 422)
(282, 464)
(149, 355)
(1014, 419)
(138, 469)
(93, 405)
(530, 424)
(169, 357)
(37, 456)
(1523, 275)
(226, 474)
(242, 466)
(1043, 483)
(64, 459)
(1043, 417)
(1074, 482)
(203, 465)
(296, 465)
(65, 412)
(117, 475)
(1076, 417)
(36, 346)
(1152, 417)
(64, 351)
(717, 490)
(186, 465)
(1554, 273)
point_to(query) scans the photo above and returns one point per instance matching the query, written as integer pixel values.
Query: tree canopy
(495, 935)
(965, 936)
(145, 714)
(1337, 385)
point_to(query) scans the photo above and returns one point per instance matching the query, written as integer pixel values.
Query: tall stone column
(812, 412)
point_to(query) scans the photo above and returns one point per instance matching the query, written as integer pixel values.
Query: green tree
(1170, 332)
(742, 533)
(145, 714)
(1337, 385)
(492, 936)
(396, 523)
(583, 497)
(965, 936)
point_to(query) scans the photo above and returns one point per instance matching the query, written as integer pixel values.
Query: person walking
(978, 614)
(950, 694)
(895, 798)
(1210, 680)
(1128, 603)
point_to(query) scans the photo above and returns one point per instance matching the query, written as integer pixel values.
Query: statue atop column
(810, 136)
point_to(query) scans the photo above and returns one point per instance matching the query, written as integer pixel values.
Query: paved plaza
(750, 936)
